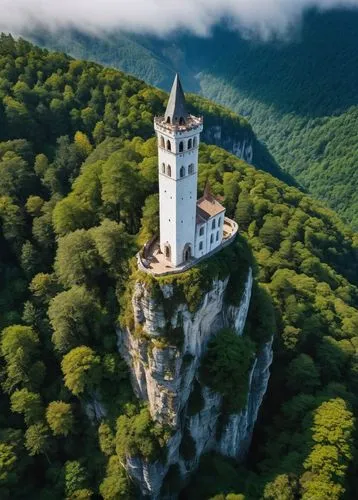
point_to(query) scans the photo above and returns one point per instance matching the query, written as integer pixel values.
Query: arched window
(219, 222)
(189, 144)
(211, 239)
(168, 119)
(201, 245)
(213, 224)
(194, 142)
(182, 172)
(201, 231)
(169, 146)
(191, 168)
(217, 236)
(181, 121)
(162, 142)
(181, 146)
(169, 171)
(187, 252)
(163, 168)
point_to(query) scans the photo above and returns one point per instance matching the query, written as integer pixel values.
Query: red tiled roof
(208, 206)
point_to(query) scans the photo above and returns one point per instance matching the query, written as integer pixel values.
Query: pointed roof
(176, 112)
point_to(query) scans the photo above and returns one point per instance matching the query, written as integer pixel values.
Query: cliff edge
(164, 343)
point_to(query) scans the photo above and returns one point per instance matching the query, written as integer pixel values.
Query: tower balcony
(152, 261)
(192, 123)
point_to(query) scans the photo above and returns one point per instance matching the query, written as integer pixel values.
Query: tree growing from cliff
(225, 367)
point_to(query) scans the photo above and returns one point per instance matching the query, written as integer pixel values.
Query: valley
(299, 95)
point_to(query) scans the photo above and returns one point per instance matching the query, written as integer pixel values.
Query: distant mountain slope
(222, 127)
(300, 96)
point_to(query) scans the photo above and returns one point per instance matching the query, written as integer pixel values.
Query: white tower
(178, 135)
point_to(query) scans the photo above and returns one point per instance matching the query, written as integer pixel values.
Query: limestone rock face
(239, 146)
(164, 376)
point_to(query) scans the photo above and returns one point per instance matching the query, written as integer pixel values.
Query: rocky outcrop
(242, 147)
(164, 375)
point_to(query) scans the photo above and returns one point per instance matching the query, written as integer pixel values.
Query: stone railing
(192, 123)
(143, 266)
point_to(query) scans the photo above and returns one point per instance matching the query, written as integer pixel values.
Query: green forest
(78, 163)
(299, 94)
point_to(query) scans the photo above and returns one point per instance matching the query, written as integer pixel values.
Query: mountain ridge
(298, 95)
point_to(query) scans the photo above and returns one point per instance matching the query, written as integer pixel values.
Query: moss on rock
(191, 286)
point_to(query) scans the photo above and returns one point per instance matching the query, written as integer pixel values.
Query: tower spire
(176, 112)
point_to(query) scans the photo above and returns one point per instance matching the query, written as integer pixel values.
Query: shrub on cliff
(225, 367)
(137, 434)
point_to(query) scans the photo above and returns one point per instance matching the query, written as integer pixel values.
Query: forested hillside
(78, 191)
(299, 94)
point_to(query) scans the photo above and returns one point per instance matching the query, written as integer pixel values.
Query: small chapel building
(190, 228)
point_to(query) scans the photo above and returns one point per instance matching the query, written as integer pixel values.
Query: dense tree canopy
(79, 167)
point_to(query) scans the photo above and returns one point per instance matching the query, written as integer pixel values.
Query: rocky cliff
(238, 142)
(166, 375)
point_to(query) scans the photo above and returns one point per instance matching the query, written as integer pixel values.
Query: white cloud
(157, 16)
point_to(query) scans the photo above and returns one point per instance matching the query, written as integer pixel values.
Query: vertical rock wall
(242, 147)
(164, 375)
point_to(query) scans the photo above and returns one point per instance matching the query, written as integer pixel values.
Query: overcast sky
(157, 16)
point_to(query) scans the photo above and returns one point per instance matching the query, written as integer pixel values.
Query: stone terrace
(156, 264)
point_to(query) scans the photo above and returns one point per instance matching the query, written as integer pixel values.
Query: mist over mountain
(299, 93)
(264, 18)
